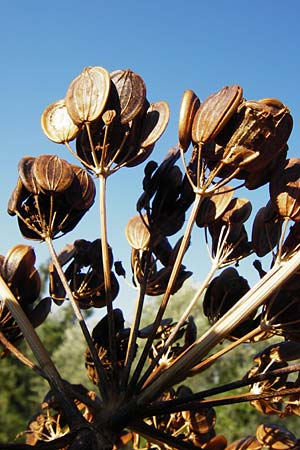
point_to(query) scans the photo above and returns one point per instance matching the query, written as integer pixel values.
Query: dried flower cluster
(142, 397)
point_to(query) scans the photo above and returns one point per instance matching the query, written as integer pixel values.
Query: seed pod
(285, 190)
(215, 112)
(154, 123)
(52, 173)
(57, 124)
(190, 103)
(131, 91)
(265, 230)
(137, 233)
(25, 171)
(18, 263)
(214, 206)
(87, 95)
(275, 437)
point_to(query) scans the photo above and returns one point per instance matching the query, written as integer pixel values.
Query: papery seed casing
(190, 103)
(215, 112)
(87, 95)
(57, 124)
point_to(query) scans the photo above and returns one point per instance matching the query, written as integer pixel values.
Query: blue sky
(173, 45)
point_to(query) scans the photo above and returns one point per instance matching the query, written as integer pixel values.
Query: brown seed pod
(154, 123)
(26, 174)
(137, 233)
(215, 112)
(87, 95)
(285, 190)
(81, 193)
(57, 124)
(214, 206)
(190, 103)
(131, 91)
(266, 230)
(275, 437)
(238, 211)
(18, 263)
(245, 443)
(52, 173)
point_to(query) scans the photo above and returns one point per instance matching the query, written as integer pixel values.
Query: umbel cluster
(142, 397)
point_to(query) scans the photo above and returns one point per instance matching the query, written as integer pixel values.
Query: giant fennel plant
(142, 397)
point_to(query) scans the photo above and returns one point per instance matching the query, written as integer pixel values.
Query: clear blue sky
(173, 45)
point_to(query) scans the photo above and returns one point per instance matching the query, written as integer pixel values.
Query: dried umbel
(114, 123)
(51, 196)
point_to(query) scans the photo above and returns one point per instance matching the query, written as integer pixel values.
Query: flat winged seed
(87, 95)
(132, 93)
(238, 210)
(25, 172)
(137, 233)
(214, 206)
(190, 103)
(81, 194)
(215, 112)
(154, 123)
(52, 173)
(57, 124)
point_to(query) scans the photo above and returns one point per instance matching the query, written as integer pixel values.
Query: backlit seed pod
(190, 103)
(245, 443)
(215, 112)
(238, 211)
(154, 123)
(57, 124)
(18, 263)
(87, 95)
(213, 207)
(52, 173)
(131, 91)
(137, 233)
(81, 193)
(285, 190)
(275, 437)
(26, 174)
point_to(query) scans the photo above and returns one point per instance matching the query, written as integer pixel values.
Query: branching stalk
(254, 298)
(80, 319)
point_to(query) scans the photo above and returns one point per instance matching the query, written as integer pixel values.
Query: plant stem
(249, 303)
(106, 270)
(182, 249)
(39, 352)
(21, 357)
(80, 318)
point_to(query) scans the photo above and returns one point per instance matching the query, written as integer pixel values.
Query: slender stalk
(21, 357)
(182, 249)
(254, 298)
(80, 319)
(39, 352)
(179, 324)
(106, 270)
(136, 322)
(159, 437)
